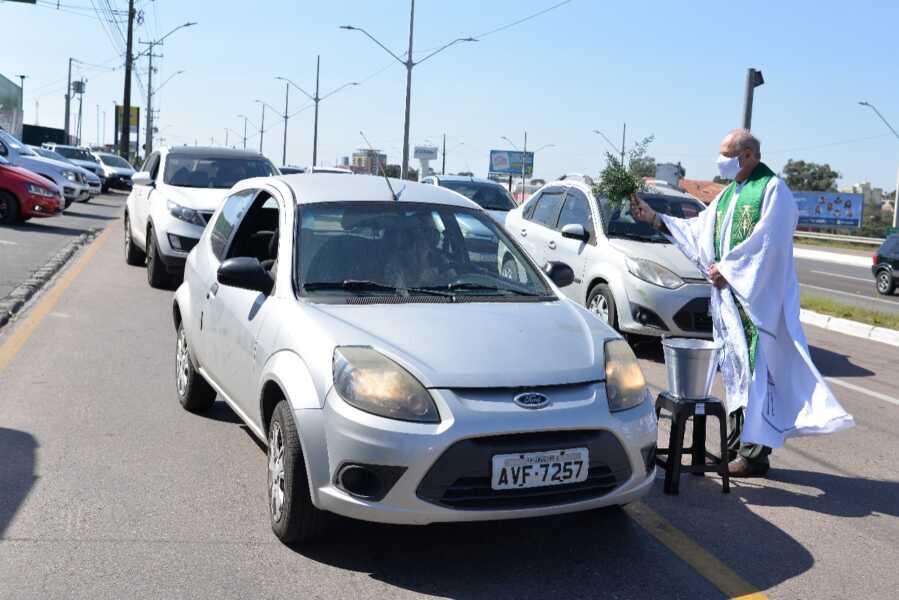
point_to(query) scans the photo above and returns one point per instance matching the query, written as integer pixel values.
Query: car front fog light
(625, 385)
(369, 381)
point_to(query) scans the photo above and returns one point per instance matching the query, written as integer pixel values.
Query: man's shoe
(744, 468)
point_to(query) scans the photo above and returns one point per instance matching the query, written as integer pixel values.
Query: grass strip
(835, 308)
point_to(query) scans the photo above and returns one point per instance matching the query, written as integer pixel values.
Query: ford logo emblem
(532, 400)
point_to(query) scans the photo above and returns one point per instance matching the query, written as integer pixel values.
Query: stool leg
(674, 456)
(722, 463)
(698, 451)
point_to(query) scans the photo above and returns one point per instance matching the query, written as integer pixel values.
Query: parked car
(489, 195)
(626, 272)
(886, 265)
(94, 183)
(66, 177)
(117, 171)
(77, 155)
(292, 170)
(404, 386)
(24, 194)
(173, 197)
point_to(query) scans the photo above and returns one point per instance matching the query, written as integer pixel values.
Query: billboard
(10, 107)
(830, 209)
(133, 127)
(508, 162)
(425, 153)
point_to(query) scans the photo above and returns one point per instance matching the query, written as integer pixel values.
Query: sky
(674, 70)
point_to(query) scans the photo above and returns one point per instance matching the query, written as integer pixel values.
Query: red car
(24, 194)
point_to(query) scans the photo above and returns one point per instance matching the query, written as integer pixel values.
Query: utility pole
(443, 167)
(890, 127)
(68, 98)
(98, 125)
(80, 105)
(315, 128)
(22, 79)
(103, 138)
(148, 145)
(244, 133)
(286, 98)
(125, 141)
(262, 129)
(753, 80)
(623, 134)
(226, 137)
(524, 160)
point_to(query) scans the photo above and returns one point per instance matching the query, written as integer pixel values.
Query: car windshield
(75, 154)
(486, 195)
(618, 221)
(410, 249)
(50, 154)
(220, 173)
(111, 160)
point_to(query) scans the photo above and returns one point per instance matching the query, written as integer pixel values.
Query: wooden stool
(681, 410)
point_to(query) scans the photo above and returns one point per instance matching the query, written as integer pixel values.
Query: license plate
(539, 469)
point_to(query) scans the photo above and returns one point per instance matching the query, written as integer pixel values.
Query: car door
(140, 207)
(236, 315)
(575, 211)
(537, 226)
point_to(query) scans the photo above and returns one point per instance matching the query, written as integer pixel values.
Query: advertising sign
(829, 209)
(508, 162)
(425, 153)
(133, 127)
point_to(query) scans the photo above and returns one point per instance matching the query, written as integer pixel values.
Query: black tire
(600, 293)
(297, 521)
(67, 203)
(9, 208)
(194, 393)
(157, 276)
(134, 256)
(885, 283)
(104, 189)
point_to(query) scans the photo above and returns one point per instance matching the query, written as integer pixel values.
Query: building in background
(671, 173)
(10, 107)
(368, 161)
(872, 195)
(704, 191)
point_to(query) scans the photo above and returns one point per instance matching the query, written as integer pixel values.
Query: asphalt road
(25, 247)
(844, 283)
(109, 489)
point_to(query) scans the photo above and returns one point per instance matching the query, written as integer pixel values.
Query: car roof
(465, 178)
(335, 187)
(210, 152)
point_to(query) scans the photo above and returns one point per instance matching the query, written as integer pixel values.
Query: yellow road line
(23, 331)
(729, 583)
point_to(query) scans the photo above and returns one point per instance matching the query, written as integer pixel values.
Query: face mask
(728, 167)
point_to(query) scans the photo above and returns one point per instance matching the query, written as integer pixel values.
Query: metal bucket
(691, 365)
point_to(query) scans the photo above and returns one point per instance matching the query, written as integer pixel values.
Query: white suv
(173, 196)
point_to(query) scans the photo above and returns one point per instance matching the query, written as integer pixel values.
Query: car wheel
(510, 269)
(295, 520)
(602, 304)
(9, 208)
(885, 283)
(157, 276)
(194, 393)
(133, 255)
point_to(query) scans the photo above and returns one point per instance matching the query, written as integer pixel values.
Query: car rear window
(890, 246)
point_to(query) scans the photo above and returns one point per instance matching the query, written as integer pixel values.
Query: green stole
(746, 216)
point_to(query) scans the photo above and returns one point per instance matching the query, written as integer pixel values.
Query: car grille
(694, 316)
(460, 478)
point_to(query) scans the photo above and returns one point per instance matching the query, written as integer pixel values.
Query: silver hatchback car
(626, 273)
(393, 371)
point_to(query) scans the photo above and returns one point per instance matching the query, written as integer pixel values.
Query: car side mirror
(246, 273)
(142, 178)
(560, 273)
(575, 231)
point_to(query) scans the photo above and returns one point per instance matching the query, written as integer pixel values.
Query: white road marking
(851, 295)
(8, 243)
(861, 390)
(865, 279)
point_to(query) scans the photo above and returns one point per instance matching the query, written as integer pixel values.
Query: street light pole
(68, 98)
(125, 138)
(286, 98)
(443, 167)
(315, 126)
(262, 127)
(22, 79)
(753, 80)
(896, 198)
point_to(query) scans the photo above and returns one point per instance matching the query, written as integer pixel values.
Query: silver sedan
(396, 375)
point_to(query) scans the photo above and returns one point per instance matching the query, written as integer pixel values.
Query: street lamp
(609, 142)
(22, 79)
(753, 80)
(246, 120)
(896, 198)
(409, 64)
(315, 100)
(262, 124)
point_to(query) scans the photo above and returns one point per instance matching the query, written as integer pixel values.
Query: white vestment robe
(785, 395)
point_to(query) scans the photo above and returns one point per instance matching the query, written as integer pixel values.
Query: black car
(886, 265)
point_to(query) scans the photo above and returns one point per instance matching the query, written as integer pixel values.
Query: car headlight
(188, 215)
(70, 175)
(653, 273)
(41, 191)
(625, 385)
(370, 381)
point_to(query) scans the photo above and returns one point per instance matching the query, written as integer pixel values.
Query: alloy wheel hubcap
(600, 307)
(276, 471)
(182, 363)
(883, 282)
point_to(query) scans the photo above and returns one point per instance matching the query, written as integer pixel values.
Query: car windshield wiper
(365, 285)
(638, 237)
(465, 285)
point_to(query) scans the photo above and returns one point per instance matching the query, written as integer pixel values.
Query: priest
(744, 242)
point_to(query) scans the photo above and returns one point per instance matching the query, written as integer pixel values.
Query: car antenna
(395, 195)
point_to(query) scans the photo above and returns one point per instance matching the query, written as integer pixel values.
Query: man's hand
(641, 210)
(717, 278)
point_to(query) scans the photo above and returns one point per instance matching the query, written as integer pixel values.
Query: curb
(847, 327)
(13, 302)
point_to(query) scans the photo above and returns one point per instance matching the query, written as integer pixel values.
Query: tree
(394, 171)
(810, 177)
(640, 164)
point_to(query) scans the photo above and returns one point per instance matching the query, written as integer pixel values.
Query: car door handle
(212, 291)
(552, 245)
(524, 232)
